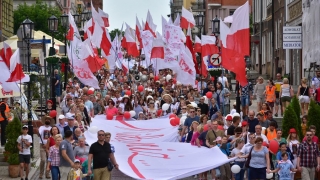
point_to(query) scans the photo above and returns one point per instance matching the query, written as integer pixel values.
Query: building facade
(6, 19)
(55, 3)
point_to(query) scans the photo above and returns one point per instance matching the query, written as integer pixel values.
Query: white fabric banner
(149, 149)
(84, 74)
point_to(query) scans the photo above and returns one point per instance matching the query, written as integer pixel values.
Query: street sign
(292, 45)
(215, 60)
(292, 37)
(292, 29)
(47, 41)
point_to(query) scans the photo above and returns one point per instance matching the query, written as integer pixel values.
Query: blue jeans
(245, 100)
(55, 172)
(240, 175)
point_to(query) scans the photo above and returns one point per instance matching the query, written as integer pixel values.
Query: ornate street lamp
(215, 25)
(27, 36)
(199, 18)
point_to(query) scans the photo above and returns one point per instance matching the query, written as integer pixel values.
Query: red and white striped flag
(187, 19)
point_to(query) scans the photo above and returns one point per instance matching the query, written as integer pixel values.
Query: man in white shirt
(44, 133)
(259, 134)
(224, 81)
(24, 141)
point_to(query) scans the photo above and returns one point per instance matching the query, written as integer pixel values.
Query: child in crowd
(284, 167)
(196, 134)
(225, 148)
(76, 173)
(24, 141)
(239, 143)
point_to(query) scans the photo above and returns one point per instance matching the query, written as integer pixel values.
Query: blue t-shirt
(189, 121)
(57, 76)
(225, 151)
(279, 158)
(284, 173)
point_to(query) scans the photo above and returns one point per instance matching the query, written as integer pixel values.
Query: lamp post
(65, 23)
(53, 27)
(27, 36)
(199, 18)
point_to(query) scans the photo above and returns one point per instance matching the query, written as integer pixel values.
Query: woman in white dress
(293, 144)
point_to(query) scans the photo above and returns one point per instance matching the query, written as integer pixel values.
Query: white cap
(61, 116)
(24, 126)
(236, 115)
(69, 116)
(76, 161)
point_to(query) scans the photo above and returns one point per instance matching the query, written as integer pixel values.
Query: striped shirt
(54, 156)
(308, 154)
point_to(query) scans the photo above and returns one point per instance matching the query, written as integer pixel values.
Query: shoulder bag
(247, 164)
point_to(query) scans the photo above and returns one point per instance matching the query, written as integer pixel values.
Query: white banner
(149, 149)
(84, 74)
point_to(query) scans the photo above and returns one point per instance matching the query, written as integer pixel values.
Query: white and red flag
(150, 25)
(16, 72)
(208, 47)
(186, 73)
(189, 46)
(197, 44)
(104, 16)
(187, 19)
(157, 48)
(6, 53)
(131, 44)
(235, 43)
(138, 33)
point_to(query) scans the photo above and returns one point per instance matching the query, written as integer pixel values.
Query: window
(64, 3)
(231, 11)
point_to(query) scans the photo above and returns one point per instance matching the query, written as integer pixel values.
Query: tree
(313, 116)
(39, 14)
(290, 120)
(114, 32)
(296, 107)
(13, 131)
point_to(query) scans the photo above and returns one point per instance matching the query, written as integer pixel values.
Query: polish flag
(73, 29)
(187, 19)
(138, 34)
(105, 17)
(235, 43)
(6, 53)
(150, 25)
(131, 44)
(157, 48)
(88, 29)
(15, 67)
(208, 44)
(197, 45)
(189, 45)
(99, 39)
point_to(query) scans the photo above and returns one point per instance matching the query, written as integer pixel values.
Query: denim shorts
(245, 100)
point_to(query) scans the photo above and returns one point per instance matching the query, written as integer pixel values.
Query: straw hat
(168, 96)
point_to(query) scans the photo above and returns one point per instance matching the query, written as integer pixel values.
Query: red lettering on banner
(131, 126)
(4, 93)
(129, 137)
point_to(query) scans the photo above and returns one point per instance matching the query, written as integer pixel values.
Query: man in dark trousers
(4, 117)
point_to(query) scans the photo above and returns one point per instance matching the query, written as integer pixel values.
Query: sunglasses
(101, 134)
(191, 111)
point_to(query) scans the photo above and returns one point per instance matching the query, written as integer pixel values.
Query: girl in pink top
(111, 109)
(197, 130)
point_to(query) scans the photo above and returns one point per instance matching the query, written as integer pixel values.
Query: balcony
(176, 4)
(198, 6)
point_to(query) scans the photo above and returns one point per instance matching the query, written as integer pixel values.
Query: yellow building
(6, 19)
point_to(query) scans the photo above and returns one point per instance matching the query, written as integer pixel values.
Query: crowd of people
(206, 121)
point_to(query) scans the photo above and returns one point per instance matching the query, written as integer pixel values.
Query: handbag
(248, 159)
(110, 165)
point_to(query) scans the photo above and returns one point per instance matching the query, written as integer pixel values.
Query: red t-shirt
(113, 111)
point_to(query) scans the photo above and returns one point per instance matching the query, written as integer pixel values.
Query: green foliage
(39, 13)
(296, 107)
(313, 116)
(13, 131)
(290, 120)
(114, 32)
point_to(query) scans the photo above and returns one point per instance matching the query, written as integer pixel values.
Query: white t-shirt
(21, 140)
(44, 133)
(223, 80)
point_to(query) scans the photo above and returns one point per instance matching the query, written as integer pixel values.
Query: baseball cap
(24, 126)
(61, 116)
(292, 130)
(69, 116)
(244, 123)
(76, 161)
(229, 117)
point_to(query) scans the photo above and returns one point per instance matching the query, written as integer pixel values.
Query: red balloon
(53, 113)
(265, 144)
(172, 122)
(174, 80)
(172, 116)
(212, 78)
(159, 112)
(140, 88)
(177, 120)
(273, 146)
(109, 116)
(205, 127)
(209, 95)
(90, 91)
(128, 93)
(156, 78)
(126, 115)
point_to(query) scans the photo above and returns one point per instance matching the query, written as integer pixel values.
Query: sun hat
(229, 117)
(61, 116)
(167, 95)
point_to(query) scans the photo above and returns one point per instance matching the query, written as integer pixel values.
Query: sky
(126, 11)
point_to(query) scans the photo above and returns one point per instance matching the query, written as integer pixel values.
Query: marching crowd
(206, 121)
